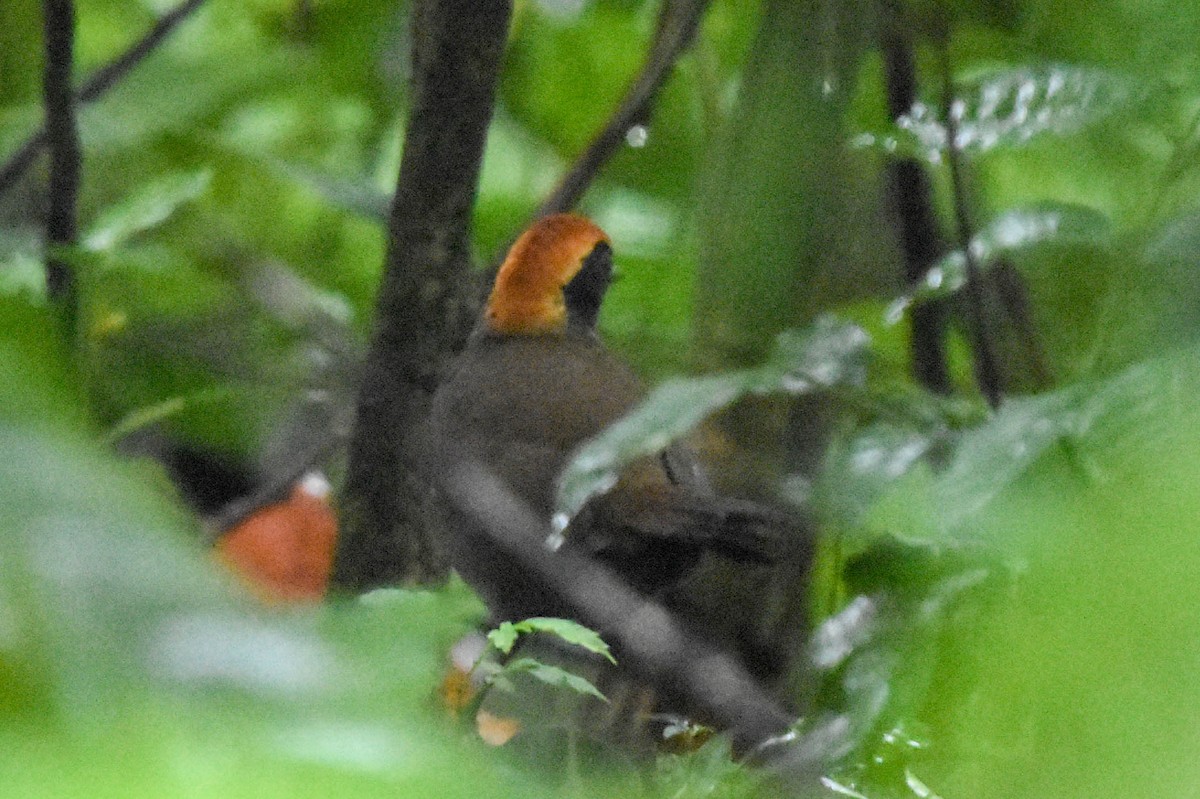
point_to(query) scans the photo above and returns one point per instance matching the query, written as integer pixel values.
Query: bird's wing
(648, 511)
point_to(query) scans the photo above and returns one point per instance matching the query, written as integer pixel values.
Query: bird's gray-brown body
(522, 405)
(519, 402)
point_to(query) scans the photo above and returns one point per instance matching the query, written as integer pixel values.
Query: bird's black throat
(585, 292)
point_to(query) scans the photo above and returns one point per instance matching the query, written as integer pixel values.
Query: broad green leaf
(860, 468)
(552, 675)
(504, 637)
(670, 411)
(826, 354)
(993, 458)
(1037, 495)
(1085, 680)
(150, 206)
(782, 209)
(570, 631)
(116, 618)
(1008, 109)
(1010, 232)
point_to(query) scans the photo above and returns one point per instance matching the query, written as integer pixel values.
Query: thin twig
(920, 239)
(98, 84)
(19, 162)
(62, 137)
(987, 372)
(678, 22)
(108, 75)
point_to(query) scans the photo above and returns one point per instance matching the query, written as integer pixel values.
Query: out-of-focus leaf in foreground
(1083, 501)
(149, 207)
(826, 354)
(1011, 231)
(131, 665)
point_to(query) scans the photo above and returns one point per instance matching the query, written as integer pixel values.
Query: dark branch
(920, 239)
(649, 640)
(677, 24)
(987, 371)
(1014, 300)
(19, 162)
(99, 84)
(425, 302)
(62, 137)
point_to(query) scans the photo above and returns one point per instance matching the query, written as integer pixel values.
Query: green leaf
(144, 417)
(781, 206)
(860, 468)
(39, 382)
(504, 637)
(1105, 595)
(1008, 109)
(827, 353)
(23, 275)
(671, 410)
(570, 631)
(999, 455)
(148, 207)
(357, 196)
(552, 675)
(1010, 232)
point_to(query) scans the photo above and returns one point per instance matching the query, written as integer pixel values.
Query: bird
(283, 551)
(533, 383)
(279, 542)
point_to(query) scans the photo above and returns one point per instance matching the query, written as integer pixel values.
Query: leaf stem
(987, 372)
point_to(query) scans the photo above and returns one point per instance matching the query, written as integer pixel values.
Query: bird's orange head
(555, 275)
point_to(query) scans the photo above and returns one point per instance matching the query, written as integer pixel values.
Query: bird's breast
(522, 404)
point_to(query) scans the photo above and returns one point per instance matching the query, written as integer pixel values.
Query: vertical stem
(920, 239)
(65, 160)
(1014, 298)
(987, 372)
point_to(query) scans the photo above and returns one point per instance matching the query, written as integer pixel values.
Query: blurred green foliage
(1008, 601)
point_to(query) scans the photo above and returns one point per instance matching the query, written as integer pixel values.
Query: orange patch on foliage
(495, 730)
(456, 690)
(284, 551)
